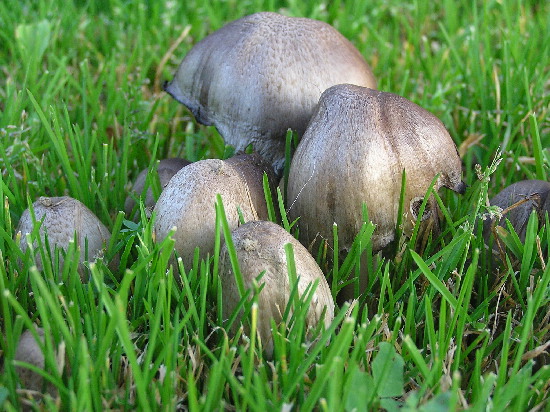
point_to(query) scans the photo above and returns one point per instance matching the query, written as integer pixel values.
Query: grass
(446, 327)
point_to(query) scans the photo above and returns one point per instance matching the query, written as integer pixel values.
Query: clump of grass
(450, 325)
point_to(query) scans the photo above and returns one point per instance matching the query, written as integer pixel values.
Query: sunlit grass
(448, 326)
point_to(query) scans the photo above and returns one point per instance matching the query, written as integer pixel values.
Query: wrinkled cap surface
(188, 203)
(260, 247)
(354, 151)
(260, 75)
(62, 218)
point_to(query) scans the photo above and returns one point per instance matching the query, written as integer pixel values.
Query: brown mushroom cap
(537, 196)
(166, 168)
(354, 151)
(188, 203)
(260, 75)
(28, 350)
(260, 247)
(62, 217)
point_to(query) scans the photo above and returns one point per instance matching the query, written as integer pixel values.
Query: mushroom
(354, 151)
(188, 204)
(165, 169)
(260, 249)
(252, 168)
(63, 219)
(28, 350)
(261, 75)
(534, 195)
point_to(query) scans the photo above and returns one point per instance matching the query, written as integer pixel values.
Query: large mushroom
(188, 201)
(62, 220)
(260, 248)
(261, 75)
(354, 152)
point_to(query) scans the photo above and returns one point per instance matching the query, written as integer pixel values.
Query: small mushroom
(534, 195)
(261, 75)
(28, 350)
(260, 248)
(354, 151)
(166, 168)
(62, 218)
(188, 204)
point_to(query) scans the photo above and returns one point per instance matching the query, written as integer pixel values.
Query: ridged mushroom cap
(61, 218)
(188, 204)
(354, 151)
(258, 76)
(260, 247)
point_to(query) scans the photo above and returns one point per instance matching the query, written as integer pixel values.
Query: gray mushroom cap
(188, 204)
(537, 196)
(166, 168)
(28, 350)
(260, 247)
(61, 218)
(261, 75)
(354, 151)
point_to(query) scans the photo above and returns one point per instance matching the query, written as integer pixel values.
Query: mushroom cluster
(360, 148)
(254, 79)
(265, 73)
(261, 75)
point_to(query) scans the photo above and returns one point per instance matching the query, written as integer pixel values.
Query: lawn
(444, 324)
